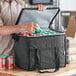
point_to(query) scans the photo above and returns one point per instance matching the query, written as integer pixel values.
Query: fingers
(36, 26)
(33, 30)
(41, 7)
(44, 7)
(33, 27)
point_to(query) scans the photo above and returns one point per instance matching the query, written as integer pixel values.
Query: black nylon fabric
(39, 53)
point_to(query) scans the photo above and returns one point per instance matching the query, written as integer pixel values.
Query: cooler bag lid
(43, 18)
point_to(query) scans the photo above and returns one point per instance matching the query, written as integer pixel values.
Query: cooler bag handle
(57, 62)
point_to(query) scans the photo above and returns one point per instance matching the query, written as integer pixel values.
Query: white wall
(68, 5)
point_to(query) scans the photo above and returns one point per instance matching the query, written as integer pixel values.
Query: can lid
(48, 31)
(10, 56)
(5, 56)
(53, 32)
(38, 31)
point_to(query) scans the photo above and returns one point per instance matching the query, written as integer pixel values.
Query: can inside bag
(43, 18)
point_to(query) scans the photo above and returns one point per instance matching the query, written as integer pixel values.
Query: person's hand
(41, 7)
(30, 27)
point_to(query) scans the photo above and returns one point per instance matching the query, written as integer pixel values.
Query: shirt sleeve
(1, 22)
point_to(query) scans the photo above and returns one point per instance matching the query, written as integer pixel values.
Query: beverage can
(5, 60)
(1, 63)
(10, 62)
(38, 31)
(4, 63)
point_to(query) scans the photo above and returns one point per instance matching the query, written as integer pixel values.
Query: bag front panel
(32, 60)
(27, 54)
(51, 41)
(39, 42)
(47, 59)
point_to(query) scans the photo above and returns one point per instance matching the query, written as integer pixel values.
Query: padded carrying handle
(57, 62)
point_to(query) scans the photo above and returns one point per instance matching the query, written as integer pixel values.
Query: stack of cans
(27, 34)
(48, 32)
(45, 33)
(6, 62)
(51, 32)
(37, 33)
(2, 63)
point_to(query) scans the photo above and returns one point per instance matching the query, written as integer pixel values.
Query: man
(9, 12)
(7, 30)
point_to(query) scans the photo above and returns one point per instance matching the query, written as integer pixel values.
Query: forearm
(6, 30)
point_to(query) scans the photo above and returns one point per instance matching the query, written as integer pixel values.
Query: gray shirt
(8, 16)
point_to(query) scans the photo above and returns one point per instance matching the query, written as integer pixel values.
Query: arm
(6, 30)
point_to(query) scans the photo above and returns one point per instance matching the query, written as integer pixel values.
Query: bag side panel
(21, 53)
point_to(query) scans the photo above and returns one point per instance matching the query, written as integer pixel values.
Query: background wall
(68, 5)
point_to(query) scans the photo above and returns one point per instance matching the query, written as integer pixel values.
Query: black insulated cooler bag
(42, 52)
